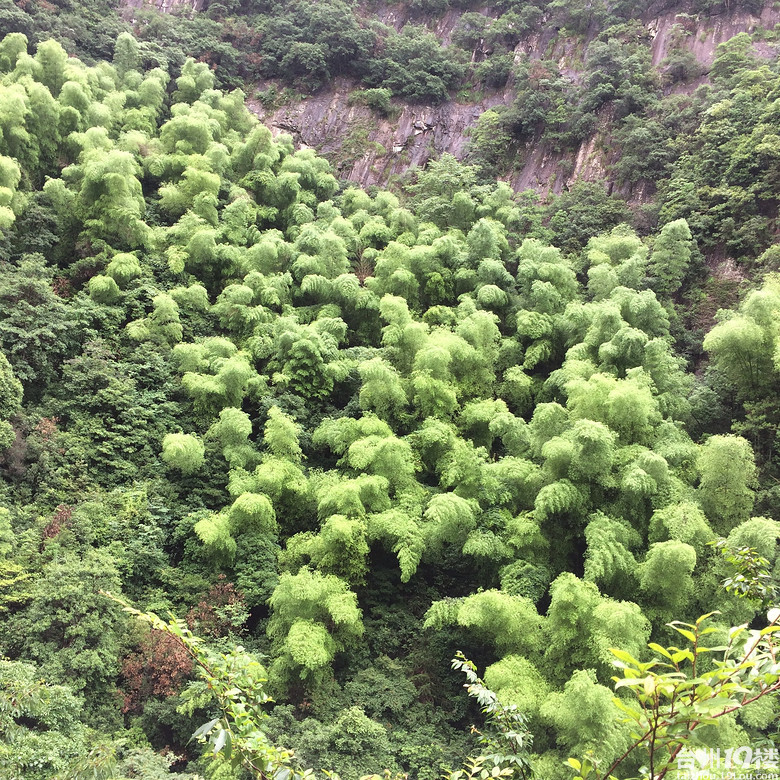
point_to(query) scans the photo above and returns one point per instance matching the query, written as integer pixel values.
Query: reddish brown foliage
(61, 287)
(538, 71)
(159, 667)
(209, 618)
(46, 427)
(60, 519)
(363, 268)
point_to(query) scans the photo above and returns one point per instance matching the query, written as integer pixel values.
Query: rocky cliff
(372, 150)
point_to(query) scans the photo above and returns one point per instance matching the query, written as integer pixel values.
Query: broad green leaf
(658, 649)
(220, 741)
(689, 635)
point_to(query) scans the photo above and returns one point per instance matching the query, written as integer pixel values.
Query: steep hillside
(346, 434)
(371, 150)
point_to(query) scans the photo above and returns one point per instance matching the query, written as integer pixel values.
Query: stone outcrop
(389, 146)
(371, 150)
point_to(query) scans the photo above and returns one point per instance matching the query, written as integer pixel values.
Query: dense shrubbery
(356, 432)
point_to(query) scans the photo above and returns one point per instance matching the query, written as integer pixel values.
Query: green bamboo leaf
(708, 615)
(623, 656)
(205, 728)
(630, 681)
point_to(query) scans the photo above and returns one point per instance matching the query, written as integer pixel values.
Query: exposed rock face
(378, 149)
(371, 150)
(703, 37)
(366, 148)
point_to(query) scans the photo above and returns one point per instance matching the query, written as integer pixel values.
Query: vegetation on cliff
(355, 432)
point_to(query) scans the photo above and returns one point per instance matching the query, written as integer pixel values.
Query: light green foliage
(340, 433)
(162, 326)
(557, 498)
(511, 623)
(307, 355)
(435, 189)
(10, 174)
(617, 259)
(671, 257)
(12, 45)
(194, 80)
(517, 681)
(586, 718)
(744, 345)
(195, 297)
(727, 473)
(109, 196)
(231, 379)
(401, 335)
(549, 420)
(759, 534)
(684, 522)
(449, 518)
(739, 348)
(385, 456)
(732, 57)
(506, 738)
(252, 512)
(382, 391)
(353, 497)
(585, 452)
(215, 533)
(594, 449)
(627, 406)
(126, 54)
(285, 485)
(401, 531)
(10, 401)
(103, 289)
(314, 617)
(232, 430)
(123, 268)
(582, 625)
(251, 515)
(52, 59)
(339, 548)
(666, 573)
(183, 451)
(609, 561)
(196, 190)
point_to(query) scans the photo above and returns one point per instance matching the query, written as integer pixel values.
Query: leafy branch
(506, 735)
(236, 680)
(751, 578)
(673, 696)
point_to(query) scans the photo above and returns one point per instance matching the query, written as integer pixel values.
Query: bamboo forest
(314, 471)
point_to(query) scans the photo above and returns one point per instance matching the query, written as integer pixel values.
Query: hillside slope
(343, 434)
(370, 150)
